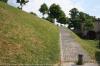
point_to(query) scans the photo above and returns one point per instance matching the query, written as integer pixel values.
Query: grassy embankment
(27, 39)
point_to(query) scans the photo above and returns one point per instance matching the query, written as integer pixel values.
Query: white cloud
(34, 5)
(13, 3)
(95, 11)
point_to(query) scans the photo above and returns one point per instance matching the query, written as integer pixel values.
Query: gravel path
(70, 49)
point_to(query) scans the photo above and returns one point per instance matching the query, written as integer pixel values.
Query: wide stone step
(71, 49)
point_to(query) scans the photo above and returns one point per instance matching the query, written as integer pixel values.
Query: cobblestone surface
(71, 49)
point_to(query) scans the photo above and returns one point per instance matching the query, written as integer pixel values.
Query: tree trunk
(21, 6)
(43, 16)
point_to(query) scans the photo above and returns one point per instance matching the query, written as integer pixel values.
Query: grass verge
(26, 39)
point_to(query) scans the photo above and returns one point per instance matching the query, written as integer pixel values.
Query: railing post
(80, 59)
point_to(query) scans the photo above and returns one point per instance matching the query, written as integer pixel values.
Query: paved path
(71, 49)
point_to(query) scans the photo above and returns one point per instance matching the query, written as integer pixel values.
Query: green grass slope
(26, 39)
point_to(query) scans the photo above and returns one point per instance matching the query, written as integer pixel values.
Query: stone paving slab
(73, 64)
(70, 49)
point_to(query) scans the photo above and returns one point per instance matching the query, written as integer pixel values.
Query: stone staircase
(70, 49)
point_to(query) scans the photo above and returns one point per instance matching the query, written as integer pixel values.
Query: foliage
(4, 1)
(33, 13)
(43, 9)
(74, 13)
(87, 20)
(55, 12)
(22, 2)
(74, 19)
(50, 19)
(80, 18)
(62, 20)
(88, 25)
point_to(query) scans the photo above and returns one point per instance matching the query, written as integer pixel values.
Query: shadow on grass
(97, 56)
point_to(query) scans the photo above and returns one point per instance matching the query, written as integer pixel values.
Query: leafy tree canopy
(54, 11)
(43, 9)
(22, 2)
(63, 20)
(4, 1)
(77, 19)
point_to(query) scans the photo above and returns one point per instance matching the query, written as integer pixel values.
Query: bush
(91, 35)
(33, 13)
(4, 1)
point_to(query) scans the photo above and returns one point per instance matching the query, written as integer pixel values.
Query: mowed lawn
(27, 39)
(91, 46)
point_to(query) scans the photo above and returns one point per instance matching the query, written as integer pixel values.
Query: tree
(55, 12)
(62, 17)
(81, 20)
(74, 20)
(89, 25)
(87, 20)
(4, 1)
(43, 9)
(22, 2)
(74, 13)
(33, 13)
(82, 16)
(62, 20)
(50, 19)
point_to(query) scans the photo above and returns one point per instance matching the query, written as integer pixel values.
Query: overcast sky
(91, 7)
